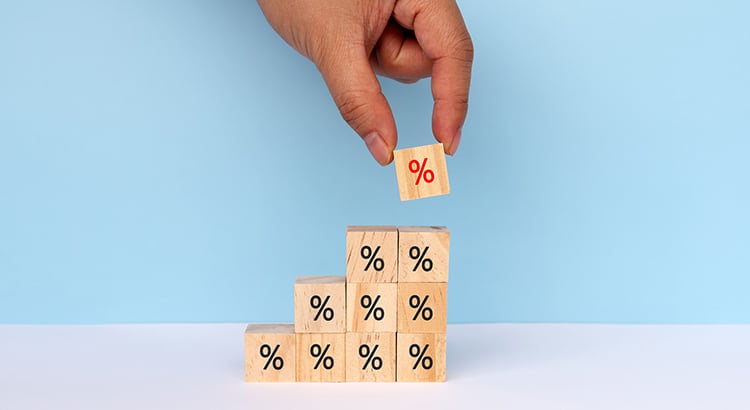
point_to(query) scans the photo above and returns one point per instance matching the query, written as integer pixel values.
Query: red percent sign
(422, 172)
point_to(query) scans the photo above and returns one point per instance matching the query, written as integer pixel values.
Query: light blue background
(176, 161)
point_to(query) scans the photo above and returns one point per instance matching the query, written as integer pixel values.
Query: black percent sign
(372, 307)
(372, 258)
(320, 305)
(375, 362)
(321, 353)
(273, 360)
(419, 255)
(417, 303)
(417, 352)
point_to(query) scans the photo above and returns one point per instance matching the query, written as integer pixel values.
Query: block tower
(384, 321)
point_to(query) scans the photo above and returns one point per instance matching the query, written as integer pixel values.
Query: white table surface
(501, 366)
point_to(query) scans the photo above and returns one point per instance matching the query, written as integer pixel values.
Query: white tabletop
(510, 366)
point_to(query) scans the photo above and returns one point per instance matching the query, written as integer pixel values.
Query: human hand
(352, 40)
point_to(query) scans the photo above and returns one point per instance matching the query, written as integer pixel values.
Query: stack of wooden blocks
(385, 321)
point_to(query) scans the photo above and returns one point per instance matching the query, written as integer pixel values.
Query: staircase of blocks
(385, 321)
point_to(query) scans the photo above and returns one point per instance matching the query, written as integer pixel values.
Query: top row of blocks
(388, 254)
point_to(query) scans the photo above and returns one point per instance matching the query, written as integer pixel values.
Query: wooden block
(270, 353)
(321, 357)
(371, 307)
(420, 357)
(371, 357)
(320, 304)
(371, 254)
(422, 307)
(423, 253)
(421, 172)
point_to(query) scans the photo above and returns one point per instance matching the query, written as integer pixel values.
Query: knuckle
(353, 106)
(464, 48)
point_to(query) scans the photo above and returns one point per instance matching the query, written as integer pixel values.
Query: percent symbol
(320, 305)
(421, 355)
(375, 362)
(321, 353)
(372, 260)
(421, 170)
(419, 304)
(273, 359)
(419, 255)
(372, 307)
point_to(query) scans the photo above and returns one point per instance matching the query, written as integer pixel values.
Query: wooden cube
(371, 307)
(270, 353)
(371, 254)
(421, 172)
(423, 253)
(320, 304)
(321, 357)
(420, 357)
(422, 307)
(371, 357)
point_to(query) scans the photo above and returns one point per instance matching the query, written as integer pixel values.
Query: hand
(352, 40)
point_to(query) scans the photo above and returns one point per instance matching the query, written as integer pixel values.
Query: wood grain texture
(371, 307)
(423, 253)
(381, 244)
(371, 357)
(313, 353)
(328, 293)
(412, 185)
(270, 352)
(422, 307)
(420, 357)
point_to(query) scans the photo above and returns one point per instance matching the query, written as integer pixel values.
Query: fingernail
(454, 145)
(378, 148)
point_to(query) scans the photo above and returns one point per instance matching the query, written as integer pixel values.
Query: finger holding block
(270, 351)
(321, 357)
(371, 307)
(423, 253)
(420, 357)
(371, 254)
(421, 172)
(422, 307)
(371, 357)
(320, 304)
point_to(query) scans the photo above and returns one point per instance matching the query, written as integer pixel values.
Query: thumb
(358, 96)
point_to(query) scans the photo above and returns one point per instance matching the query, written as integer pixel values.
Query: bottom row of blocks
(274, 353)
